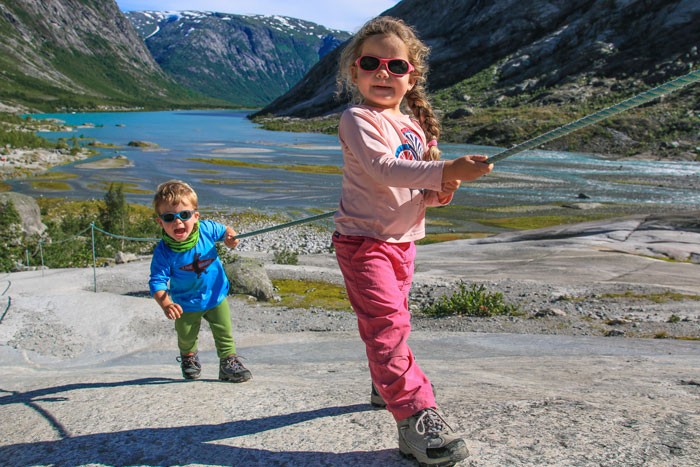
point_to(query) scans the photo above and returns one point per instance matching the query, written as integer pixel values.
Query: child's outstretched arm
(466, 168)
(171, 309)
(230, 239)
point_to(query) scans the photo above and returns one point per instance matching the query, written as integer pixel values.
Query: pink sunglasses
(395, 66)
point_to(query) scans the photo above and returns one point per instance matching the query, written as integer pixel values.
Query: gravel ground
(543, 308)
(591, 309)
(587, 309)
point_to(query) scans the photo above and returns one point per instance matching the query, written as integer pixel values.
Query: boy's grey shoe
(428, 438)
(231, 369)
(378, 401)
(190, 366)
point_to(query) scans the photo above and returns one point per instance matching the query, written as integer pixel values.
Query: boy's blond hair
(416, 98)
(174, 192)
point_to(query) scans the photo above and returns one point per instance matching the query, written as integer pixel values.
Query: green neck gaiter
(185, 245)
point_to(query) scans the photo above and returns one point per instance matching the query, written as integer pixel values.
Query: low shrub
(286, 257)
(471, 301)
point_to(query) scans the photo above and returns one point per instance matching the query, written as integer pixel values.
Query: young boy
(187, 260)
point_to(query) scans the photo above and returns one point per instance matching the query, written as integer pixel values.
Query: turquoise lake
(532, 177)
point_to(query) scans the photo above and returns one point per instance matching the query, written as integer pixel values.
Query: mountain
(79, 54)
(247, 60)
(491, 59)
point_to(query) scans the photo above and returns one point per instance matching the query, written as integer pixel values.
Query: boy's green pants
(219, 319)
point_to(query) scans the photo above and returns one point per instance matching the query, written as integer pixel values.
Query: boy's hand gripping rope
(639, 99)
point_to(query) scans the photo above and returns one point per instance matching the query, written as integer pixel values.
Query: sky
(346, 15)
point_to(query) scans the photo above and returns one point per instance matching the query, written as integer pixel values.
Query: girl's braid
(417, 101)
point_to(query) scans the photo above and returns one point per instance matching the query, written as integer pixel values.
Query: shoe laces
(232, 362)
(432, 423)
(190, 360)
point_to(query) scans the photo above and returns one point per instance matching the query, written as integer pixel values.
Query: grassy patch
(520, 208)
(204, 171)
(55, 209)
(327, 124)
(248, 217)
(312, 294)
(54, 176)
(513, 217)
(663, 297)
(438, 222)
(316, 169)
(50, 185)
(448, 237)
(98, 144)
(128, 187)
(219, 181)
(538, 222)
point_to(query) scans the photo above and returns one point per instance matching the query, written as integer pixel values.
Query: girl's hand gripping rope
(466, 168)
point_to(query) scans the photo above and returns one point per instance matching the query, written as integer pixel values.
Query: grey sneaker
(190, 366)
(378, 401)
(231, 369)
(428, 438)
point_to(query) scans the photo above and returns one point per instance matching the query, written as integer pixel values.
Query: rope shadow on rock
(31, 398)
(193, 444)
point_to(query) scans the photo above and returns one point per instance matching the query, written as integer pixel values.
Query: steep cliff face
(572, 48)
(247, 60)
(76, 53)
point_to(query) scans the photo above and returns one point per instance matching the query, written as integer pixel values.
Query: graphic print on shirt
(198, 266)
(411, 148)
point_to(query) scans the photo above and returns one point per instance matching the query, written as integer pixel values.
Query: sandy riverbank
(24, 162)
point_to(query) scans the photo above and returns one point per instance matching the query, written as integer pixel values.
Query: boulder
(28, 210)
(248, 276)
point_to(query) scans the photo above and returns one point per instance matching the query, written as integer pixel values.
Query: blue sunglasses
(182, 215)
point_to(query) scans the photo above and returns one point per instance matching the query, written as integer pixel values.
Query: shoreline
(22, 163)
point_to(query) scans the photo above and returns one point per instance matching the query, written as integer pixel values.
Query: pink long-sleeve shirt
(386, 183)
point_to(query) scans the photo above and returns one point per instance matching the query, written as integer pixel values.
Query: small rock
(123, 258)
(550, 312)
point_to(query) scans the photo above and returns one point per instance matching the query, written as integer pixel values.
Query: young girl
(391, 173)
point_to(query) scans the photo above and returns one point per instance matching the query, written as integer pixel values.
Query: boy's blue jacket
(197, 278)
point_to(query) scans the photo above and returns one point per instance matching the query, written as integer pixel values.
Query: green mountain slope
(79, 54)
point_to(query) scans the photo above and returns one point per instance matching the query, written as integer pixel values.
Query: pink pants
(378, 278)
